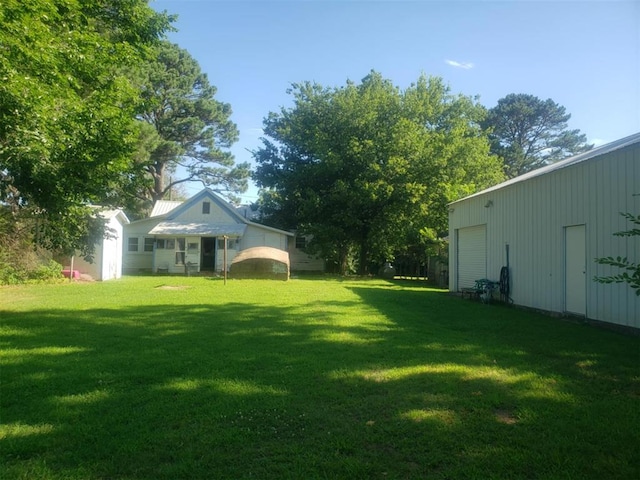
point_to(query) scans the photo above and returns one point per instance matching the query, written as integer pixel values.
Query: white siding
(140, 261)
(166, 258)
(260, 237)
(80, 264)
(232, 250)
(531, 217)
(107, 259)
(193, 254)
(303, 262)
(216, 213)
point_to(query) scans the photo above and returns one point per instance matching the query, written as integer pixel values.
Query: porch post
(224, 266)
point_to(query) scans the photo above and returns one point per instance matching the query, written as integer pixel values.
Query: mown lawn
(185, 378)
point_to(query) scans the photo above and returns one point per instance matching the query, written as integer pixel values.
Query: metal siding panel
(608, 244)
(622, 303)
(452, 251)
(630, 303)
(633, 177)
(555, 244)
(575, 264)
(494, 235)
(540, 237)
(595, 209)
(525, 254)
(602, 237)
(612, 182)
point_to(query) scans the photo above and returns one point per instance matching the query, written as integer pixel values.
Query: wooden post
(226, 238)
(71, 269)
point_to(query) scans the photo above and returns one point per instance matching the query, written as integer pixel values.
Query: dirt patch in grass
(504, 416)
(172, 287)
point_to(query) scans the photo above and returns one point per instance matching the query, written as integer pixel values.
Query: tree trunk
(158, 182)
(363, 267)
(343, 260)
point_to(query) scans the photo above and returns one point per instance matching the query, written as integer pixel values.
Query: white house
(190, 235)
(107, 259)
(548, 226)
(302, 261)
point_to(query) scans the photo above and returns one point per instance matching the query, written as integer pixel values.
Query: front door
(208, 249)
(575, 270)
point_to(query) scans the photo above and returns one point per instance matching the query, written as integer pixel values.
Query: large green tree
(528, 133)
(67, 107)
(366, 168)
(187, 132)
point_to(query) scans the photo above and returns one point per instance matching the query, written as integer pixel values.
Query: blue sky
(584, 55)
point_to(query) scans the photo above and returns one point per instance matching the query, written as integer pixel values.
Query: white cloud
(464, 65)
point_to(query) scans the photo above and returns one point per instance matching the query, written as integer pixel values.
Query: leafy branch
(631, 270)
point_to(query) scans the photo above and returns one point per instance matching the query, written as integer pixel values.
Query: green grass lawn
(186, 378)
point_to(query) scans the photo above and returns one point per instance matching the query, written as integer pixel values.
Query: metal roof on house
(582, 157)
(198, 229)
(162, 207)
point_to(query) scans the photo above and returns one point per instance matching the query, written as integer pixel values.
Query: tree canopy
(185, 126)
(368, 168)
(67, 106)
(528, 133)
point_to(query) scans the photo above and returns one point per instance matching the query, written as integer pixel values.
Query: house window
(132, 245)
(232, 243)
(160, 244)
(180, 251)
(148, 244)
(170, 244)
(206, 208)
(193, 247)
(301, 242)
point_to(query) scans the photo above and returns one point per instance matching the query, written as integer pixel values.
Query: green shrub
(47, 272)
(21, 261)
(10, 275)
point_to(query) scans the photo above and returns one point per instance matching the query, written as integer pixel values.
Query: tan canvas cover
(260, 262)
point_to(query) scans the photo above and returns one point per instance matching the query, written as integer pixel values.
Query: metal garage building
(549, 225)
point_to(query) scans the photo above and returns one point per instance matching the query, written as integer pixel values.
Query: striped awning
(198, 229)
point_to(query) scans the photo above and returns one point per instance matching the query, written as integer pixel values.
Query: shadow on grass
(422, 385)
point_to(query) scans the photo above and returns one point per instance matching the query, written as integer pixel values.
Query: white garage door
(472, 255)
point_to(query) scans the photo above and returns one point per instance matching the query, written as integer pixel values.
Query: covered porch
(186, 247)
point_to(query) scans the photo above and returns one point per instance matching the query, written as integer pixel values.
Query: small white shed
(549, 225)
(107, 260)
